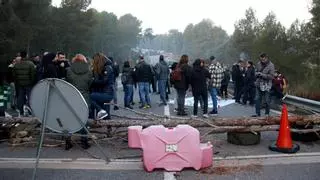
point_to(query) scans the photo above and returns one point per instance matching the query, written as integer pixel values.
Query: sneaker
(182, 114)
(214, 112)
(116, 108)
(129, 107)
(133, 103)
(147, 107)
(162, 104)
(205, 116)
(255, 115)
(102, 114)
(141, 106)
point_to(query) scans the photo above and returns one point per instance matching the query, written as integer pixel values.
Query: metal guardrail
(303, 103)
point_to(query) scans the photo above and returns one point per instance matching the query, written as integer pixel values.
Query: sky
(163, 15)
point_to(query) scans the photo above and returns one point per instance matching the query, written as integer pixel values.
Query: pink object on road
(170, 148)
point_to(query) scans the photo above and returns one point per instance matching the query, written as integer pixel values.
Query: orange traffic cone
(284, 143)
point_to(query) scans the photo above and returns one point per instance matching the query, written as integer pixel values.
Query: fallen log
(174, 121)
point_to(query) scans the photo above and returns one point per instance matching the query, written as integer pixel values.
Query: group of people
(257, 84)
(95, 79)
(182, 77)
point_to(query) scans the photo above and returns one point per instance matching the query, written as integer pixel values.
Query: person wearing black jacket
(127, 80)
(198, 79)
(238, 78)
(225, 83)
(102, 85)
(182, 85)
(61, 64)
(48, 67)
(143, 75)
(249, 87)
(116, 72)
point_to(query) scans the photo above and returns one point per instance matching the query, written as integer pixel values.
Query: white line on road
(136, 164)
(168, 175)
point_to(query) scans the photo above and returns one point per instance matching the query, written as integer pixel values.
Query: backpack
(124, 78)
(177, 74)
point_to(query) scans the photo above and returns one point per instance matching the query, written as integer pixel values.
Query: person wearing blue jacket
(102, 85)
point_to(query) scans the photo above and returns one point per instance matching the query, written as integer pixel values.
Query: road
(230, 161)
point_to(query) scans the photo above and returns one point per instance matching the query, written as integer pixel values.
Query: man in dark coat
(61, 64)
(143, 75)
(198, 79)
(249, 87)
(238, 78)
(24, 74)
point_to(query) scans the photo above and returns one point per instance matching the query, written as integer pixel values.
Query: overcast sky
(162, 15)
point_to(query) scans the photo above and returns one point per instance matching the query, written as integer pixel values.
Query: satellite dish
(61, 108)
(66, 109)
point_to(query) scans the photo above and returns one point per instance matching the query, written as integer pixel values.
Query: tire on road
(305, 137)
(243, 138)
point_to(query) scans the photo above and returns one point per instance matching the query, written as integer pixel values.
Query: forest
(36, 26)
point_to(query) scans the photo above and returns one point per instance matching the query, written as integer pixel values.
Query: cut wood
(174, 121)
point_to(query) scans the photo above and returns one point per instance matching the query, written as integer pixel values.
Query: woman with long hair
(181, 80)
(102, 85)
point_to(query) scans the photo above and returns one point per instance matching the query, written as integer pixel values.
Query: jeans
(23, 97)
(213, 94)
(162, 85)
(98, 100)
(128, 94)
(181, 93)
(259, 95)
(144, 93)
(204, 96)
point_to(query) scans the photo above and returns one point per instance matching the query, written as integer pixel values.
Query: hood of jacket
(164, 63)
(197, 65)
(79, 67)
(126, 69)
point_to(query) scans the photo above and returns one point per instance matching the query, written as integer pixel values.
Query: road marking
(167, 111)
(168, 175)
(137, 164)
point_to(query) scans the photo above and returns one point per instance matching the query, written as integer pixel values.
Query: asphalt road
(117, 149)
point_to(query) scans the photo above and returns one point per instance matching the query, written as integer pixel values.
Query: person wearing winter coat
(264, 75)
(162, 72)
(225, 83)
(181, 81)
(80, 76)
(249, 87)
(61, 64)
(144, 74)
(198, 79)
(24, 75)
(49, 69)
(127, 80)
(102, 85)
